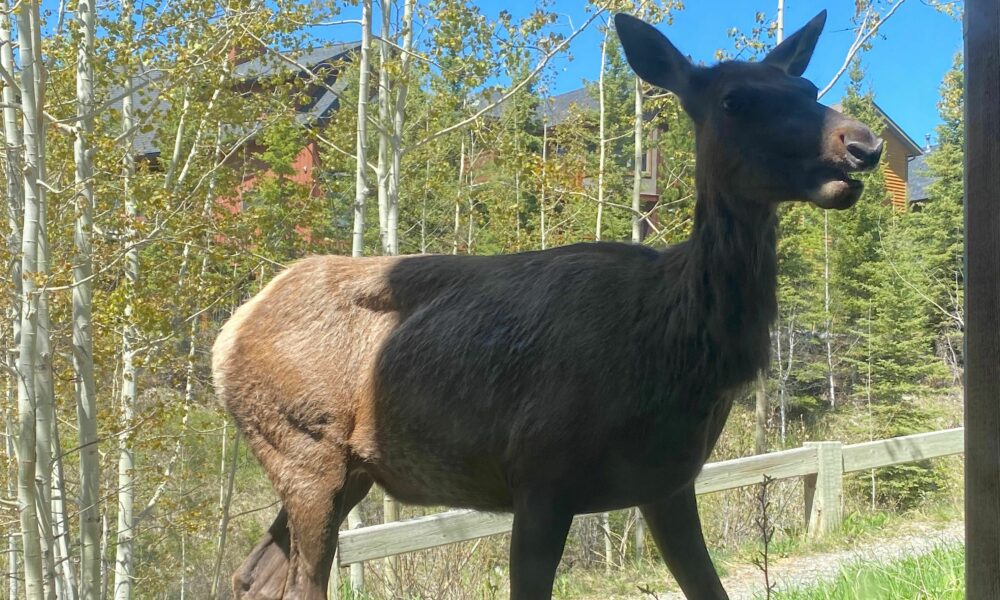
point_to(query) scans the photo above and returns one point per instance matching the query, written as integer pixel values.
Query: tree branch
(859, 41)
(503, 98)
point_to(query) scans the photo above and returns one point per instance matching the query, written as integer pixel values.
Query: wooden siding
(894, 168)
(896, 188)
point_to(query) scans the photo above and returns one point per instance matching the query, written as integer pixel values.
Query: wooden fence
(821, 464)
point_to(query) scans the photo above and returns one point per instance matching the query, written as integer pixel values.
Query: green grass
(937, 575)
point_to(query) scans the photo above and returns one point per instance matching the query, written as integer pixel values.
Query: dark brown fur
(586, 378)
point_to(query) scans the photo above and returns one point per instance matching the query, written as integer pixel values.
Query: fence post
(357, 569)
(824, 491)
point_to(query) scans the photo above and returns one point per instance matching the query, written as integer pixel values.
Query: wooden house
(255, 73)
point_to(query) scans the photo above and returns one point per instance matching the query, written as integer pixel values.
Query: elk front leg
(676, 528)
(536, 545)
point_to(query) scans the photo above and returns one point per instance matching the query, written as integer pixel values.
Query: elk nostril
(865, 153)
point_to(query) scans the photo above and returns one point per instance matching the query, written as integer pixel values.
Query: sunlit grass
(936, 575)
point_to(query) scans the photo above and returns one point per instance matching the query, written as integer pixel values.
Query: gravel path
(745, 582)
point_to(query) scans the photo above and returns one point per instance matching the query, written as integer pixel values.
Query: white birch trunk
(601, 166)
(83, 362)
(541, 201)
(784, 373)
(602, 140)
(13, 162)
(458, 196)
(826, 309)
(175, 155)
(640, 535)
(609, 547)
(868, 404)
(44, 389)
(104, 570)
(472, 203)
(398, 121)
(12, 532)
(382, 170)
(124, 565)
(27, 348)
(391, 244)
(66, 584)
(517, 180)
(225, 501)
(761, 410)
(637, 168)
(361, 165)
(15, 208)
(360, 192)
(780, 29)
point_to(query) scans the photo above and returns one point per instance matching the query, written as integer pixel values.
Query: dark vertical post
(982, 300)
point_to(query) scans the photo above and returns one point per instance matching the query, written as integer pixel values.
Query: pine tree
(939, 225)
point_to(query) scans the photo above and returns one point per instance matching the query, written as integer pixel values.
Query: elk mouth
(833, 187)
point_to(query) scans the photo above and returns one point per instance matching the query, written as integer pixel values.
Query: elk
(580, 379)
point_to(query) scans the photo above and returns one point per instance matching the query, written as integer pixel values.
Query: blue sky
(904, 68)
(910, 56)
(911, 52)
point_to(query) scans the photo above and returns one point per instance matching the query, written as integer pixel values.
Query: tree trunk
(602, 139)
(826, 308)
(44, 390)
(637, 167)
(640, 535)
(12, 529)
(609, 547)
(66, 584)
(175, 156)
(83, 361)
(225, 501)
(458, 197)
(760, 415)
(15, 208)
(784, 373)
(124, 567)
(102, 553)
(361, 165)
(27, 348)
(780, 22)
(541, 201)
(398, 121)
(382, 170)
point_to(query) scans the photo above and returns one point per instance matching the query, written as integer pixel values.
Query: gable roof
(557, 109)
(318, 109)
(268, 64)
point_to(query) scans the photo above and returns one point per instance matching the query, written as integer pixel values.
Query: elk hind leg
(676, 528)
(317, 504)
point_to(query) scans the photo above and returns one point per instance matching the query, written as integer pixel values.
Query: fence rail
(821, 464)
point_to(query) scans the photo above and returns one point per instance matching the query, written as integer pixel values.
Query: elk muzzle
(850, 147)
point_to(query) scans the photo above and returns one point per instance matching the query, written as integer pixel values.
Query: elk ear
(651, 55)
(793, 54)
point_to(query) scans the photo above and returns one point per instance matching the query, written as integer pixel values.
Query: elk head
(760, 132)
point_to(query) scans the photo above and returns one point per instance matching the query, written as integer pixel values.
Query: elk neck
(729, 272)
